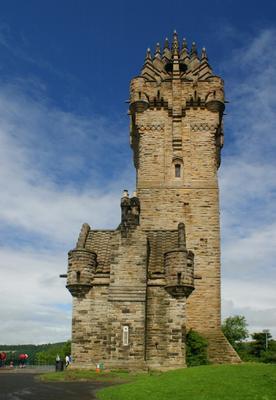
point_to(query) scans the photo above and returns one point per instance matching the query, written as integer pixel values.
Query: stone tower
(139, 288)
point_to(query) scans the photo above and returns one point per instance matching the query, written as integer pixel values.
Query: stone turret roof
(105, 242)
(159, 243)
(100, 242)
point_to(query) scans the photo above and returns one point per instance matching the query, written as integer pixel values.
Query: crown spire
(193, 50)
(184, 44)
(166, 50)
(148, 55)
(176, 60)
(204, 54)
(184, 49)
(157, 51)
(175, 44)
(148, 67)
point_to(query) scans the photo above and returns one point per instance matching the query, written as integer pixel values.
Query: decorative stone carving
(130, 211)
(150, 127)
(203, 126)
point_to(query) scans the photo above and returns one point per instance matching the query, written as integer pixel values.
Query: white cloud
(38, 193)
(248, 184)
(36, 304)
(42, 205)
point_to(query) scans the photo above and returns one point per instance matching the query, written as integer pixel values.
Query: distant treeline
(38, 354)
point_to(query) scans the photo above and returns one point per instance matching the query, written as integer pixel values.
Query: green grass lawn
(212, 382)
(71, 375)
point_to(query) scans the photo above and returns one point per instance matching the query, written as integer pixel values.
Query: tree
(235, 329)
(260, 342)
(66, 349)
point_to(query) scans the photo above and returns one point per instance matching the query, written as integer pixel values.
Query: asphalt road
(25, 386)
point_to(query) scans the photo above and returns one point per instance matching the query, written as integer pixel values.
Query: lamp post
(266, 332)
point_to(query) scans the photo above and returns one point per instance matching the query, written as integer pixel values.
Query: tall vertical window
(177, 170)
(78, 276)
(125, 335)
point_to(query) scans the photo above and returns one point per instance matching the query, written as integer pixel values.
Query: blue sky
(65, 69)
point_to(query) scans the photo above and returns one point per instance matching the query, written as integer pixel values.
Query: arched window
(177, 170)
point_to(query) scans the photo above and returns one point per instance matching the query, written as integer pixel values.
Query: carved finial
(184, 44)
(184, 49)
(148, 55)
(135, 209)
(193, 50)
(181, 236)
(125, 193)
(83, 236)
(204, 54)
(125, 203)
(157, 51)
(166, 50)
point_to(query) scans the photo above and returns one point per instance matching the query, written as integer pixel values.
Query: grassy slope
(225, 382)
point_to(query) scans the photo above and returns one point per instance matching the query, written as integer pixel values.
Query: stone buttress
(139, 288)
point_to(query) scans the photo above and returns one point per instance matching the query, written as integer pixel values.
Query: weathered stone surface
(139, 288)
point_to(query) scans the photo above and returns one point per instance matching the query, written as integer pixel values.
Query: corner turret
(82, 265)
(179, 267)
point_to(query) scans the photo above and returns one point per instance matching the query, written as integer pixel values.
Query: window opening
(125, 335)
(177, 170)
(78, 276)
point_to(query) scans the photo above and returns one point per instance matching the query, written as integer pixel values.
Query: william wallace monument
(139, 288)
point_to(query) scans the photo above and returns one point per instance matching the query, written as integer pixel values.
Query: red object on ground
(23, 356)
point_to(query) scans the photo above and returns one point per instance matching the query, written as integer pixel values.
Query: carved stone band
(203, 126)
(152, 127)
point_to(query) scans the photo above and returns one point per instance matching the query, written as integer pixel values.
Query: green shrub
(268, 357)
(196, 349)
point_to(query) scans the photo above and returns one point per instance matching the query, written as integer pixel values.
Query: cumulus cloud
(36, 306)
(54, 170)
(54, 175)
(248, 177)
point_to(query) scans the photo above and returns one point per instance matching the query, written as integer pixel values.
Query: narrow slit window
(177, 170)
(125, 335)
(78, 276)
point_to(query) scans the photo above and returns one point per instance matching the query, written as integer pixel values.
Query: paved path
(25, 386)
